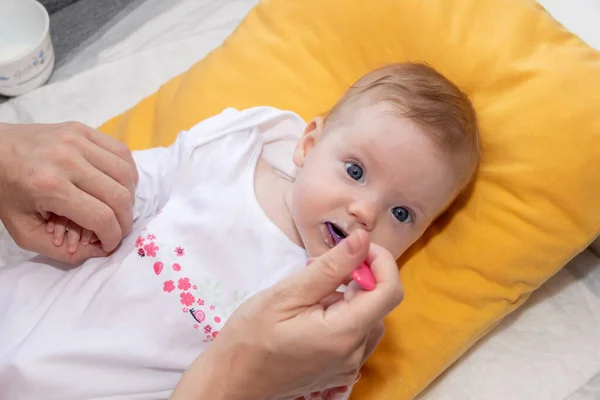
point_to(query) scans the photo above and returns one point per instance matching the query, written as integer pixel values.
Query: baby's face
(378, 172)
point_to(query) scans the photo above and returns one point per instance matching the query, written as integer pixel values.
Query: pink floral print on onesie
(204, 316)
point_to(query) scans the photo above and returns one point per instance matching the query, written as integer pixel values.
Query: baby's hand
(60, 226)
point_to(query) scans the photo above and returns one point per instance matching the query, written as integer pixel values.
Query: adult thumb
(332, 269)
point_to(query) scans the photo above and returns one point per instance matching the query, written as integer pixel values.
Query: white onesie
(128, 325)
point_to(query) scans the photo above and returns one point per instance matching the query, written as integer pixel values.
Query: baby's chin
(311, 253)
(314, 250)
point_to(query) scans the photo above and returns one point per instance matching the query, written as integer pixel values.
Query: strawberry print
(199, 299)
(168, 286)
(151, 249)
(158, 267)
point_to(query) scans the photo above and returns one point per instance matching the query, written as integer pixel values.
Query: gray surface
(74, 21)
(80, 58)
(54, 5)
(72, 25)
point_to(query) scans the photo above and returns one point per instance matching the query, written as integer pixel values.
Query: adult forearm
(3, 146)
(211, 376)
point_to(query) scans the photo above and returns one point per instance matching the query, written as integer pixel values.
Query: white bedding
(550, 349)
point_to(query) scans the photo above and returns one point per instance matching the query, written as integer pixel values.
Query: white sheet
(547, 350)
(550, 349)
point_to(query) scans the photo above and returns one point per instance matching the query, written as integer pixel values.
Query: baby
(223, 214)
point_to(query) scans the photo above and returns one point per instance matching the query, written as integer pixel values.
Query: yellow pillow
(534, 204)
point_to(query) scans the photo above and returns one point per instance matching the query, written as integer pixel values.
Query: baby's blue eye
(402, 214)
(355, 171)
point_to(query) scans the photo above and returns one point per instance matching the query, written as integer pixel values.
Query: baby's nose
(365, 213)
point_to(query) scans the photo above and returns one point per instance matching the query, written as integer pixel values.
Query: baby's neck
(274, 196)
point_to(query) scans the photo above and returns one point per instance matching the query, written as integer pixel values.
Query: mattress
(547, 350)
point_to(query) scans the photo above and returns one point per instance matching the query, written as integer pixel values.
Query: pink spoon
(364, 277)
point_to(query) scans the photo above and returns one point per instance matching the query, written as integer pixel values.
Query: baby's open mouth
(337, 233)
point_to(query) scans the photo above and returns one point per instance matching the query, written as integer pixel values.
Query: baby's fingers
(60, 227)
(86, 237)
(73, 236)
(50, 224)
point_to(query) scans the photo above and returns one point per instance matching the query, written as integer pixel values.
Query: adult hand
(299, 336)
(70, 170)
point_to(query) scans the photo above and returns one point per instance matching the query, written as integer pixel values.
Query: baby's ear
(310, 137)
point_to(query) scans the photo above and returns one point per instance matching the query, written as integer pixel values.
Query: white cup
(26, 53)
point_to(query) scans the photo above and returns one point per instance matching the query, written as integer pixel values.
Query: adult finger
(109, 144)
(101, 186)
(329, 271)
(351, 290)
(332, 299)
(89, 213)
(369, 307)
(111, 165)
(310, 261)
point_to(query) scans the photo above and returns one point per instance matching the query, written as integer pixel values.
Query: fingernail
(57, 241)
(352, 244)
(358, 376)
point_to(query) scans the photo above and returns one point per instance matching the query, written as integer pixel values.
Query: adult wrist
(212, 376)
(4, 133)
(4, 151)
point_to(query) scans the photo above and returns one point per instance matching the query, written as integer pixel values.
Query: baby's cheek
(396, 241)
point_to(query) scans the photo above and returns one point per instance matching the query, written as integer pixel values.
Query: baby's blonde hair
(423, 95)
